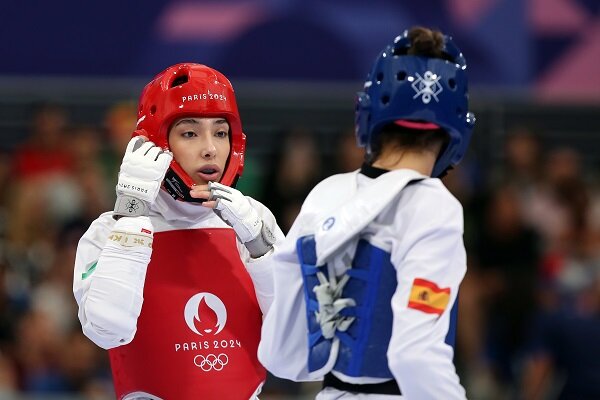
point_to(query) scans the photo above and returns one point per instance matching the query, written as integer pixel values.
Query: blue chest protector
(363, 345)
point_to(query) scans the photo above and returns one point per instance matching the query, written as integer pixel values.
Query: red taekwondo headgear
(190, 90)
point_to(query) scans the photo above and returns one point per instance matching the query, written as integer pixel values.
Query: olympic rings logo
(211, 362)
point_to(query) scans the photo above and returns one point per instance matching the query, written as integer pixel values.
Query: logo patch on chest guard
(428, 297)
(205, 313)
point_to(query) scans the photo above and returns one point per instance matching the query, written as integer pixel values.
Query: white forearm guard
(114, 300)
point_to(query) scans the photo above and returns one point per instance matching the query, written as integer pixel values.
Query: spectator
(505, 261)
(294, 172)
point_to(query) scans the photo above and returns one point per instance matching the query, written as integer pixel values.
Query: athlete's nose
(209, 150)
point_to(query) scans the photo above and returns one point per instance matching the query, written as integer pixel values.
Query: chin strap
(177, 188)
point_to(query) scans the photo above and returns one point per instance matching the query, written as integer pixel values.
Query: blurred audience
(529, 306)
(346, 154)
(296, 168)
(119, 122)
(41, 168)
(532, 261)
(95, 191)
(500, 291)
(564, 357)
(521, 161)
(43, 153)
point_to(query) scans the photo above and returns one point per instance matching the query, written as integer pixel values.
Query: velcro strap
(262, 244)
(130, 206)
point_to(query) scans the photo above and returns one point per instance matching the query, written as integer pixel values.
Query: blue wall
(509, 43)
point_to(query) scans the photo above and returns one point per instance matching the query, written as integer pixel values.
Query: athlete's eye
(188, 134)
(221, 134)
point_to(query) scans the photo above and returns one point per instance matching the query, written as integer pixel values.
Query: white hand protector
(142, 172)
(235, 209)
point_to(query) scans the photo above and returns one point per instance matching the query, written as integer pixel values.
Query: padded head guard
(419, 93)
(190, 90)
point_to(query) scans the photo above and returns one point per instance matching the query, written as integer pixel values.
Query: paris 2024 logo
(205, 314)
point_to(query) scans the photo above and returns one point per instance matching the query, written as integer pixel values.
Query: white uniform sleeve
(431, 249)
(261, 269)
(283, 348)
(108, 283)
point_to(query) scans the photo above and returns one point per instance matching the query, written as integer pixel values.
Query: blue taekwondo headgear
(417, 92)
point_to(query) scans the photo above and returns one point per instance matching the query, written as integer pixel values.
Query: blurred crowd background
(529, 315)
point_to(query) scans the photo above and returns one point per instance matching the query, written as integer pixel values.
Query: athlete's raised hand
(236, 210)
(142, 171)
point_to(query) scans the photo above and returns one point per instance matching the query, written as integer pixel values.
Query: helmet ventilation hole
(401, 75)
(385, 99)
(452, 84)
(399, 51)
(379, 77)
(180, 80)
(153, 110)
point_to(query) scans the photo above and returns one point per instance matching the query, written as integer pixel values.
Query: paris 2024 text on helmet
(190, 90)
(417, 90)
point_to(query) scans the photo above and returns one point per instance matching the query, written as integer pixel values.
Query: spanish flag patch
(428, 297)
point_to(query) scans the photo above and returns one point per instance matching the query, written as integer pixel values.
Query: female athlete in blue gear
(366, 281)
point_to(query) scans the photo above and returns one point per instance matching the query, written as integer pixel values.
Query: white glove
(235, 209)
(142, 172)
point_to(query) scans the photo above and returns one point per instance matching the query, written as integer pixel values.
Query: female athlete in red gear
(173, 281)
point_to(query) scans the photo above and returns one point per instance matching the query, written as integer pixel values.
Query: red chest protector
(199, 328)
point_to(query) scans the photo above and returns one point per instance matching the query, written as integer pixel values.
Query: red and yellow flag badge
(428, 297)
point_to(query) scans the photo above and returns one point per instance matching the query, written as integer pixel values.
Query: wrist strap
(262, 244)
(129, 206)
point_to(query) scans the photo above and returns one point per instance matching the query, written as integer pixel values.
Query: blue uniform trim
(319, 347)
(451, 335)
(363, 347)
